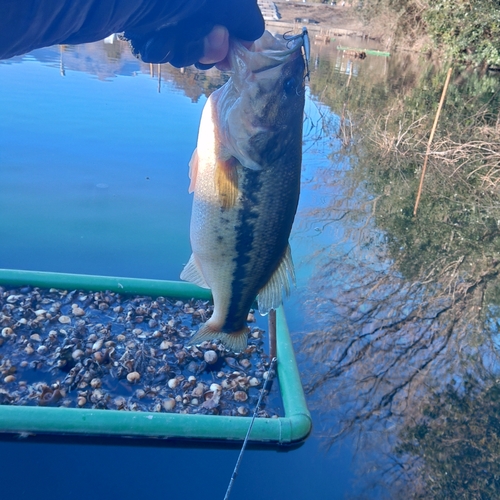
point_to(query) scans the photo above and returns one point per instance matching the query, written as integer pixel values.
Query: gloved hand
(177, 31)
(187, 41)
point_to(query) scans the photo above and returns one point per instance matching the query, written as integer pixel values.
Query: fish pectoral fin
(271, 295)
(193, 171)
(247, 162)
(193, 274)
(235, 342)
(226, 182)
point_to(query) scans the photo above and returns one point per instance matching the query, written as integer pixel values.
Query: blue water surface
(94, 173)
(94, 179)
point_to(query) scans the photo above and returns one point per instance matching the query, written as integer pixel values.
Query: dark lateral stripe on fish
(247, 250)
(247, 216)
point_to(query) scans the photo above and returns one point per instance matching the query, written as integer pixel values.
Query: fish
(245, 175)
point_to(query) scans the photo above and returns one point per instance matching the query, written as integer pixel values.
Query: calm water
(94, 148)
(94, 159)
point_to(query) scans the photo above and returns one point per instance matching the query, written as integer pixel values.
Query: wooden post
(438, 112)
(272, 333)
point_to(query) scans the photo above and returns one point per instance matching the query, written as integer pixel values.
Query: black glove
(181, 44)
(158, 30)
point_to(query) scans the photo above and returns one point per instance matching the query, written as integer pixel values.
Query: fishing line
(263, 392)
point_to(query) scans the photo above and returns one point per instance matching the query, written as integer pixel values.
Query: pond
(394, 317)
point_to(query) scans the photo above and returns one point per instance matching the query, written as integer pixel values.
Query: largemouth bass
(245, 175)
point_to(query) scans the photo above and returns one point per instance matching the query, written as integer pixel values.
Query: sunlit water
(94, 153)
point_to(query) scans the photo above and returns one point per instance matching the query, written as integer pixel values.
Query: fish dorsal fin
(271, 295)
(226, 182)
(193, 170)
(193, 274)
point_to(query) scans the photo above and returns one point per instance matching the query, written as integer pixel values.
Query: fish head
(263, 120)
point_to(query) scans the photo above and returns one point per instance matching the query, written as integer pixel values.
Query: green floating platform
(370, 52)
(293, 428)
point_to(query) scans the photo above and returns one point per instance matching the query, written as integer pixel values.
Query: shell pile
(105, 350)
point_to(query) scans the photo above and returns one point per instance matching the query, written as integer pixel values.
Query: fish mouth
(268, 52)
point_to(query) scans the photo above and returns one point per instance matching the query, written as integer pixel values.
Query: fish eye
(290, 85)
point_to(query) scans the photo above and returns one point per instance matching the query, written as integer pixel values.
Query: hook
(306, 46)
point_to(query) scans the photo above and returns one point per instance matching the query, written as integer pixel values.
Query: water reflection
(405, 340)
(395, 318)
(112, 58)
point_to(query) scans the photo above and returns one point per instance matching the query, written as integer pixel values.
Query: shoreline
(322, 20)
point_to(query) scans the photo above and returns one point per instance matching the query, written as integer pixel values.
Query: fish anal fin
(271, 295)
(235, 342)
(193, 170)
(226, 182)
(193, 274)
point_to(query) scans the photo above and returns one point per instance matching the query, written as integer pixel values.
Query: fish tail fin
(235, 342)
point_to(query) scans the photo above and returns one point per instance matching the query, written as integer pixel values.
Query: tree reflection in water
(405, 309)
(404, 312)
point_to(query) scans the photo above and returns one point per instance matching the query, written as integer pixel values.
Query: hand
(202, 38)
(215, 46)
(182, 32)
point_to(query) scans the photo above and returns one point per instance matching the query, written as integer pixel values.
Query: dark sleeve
(158, 30)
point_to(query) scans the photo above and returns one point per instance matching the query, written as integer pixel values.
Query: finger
(225, 64)
(216, 45)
